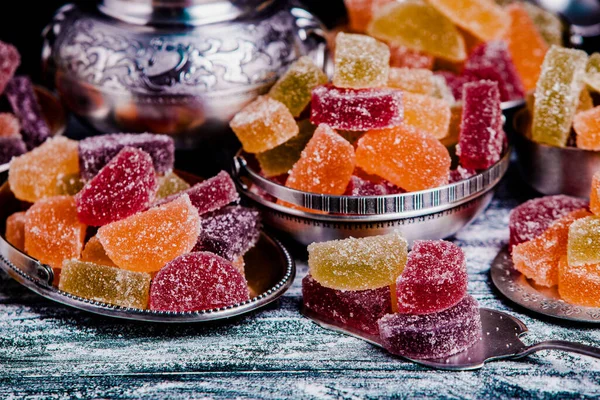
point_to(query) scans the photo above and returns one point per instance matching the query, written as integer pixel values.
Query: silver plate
(270, 271)
(517, 288)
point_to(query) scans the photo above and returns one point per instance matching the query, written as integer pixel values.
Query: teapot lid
(184, 12)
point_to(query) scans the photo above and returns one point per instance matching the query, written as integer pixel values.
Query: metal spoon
(500, 340)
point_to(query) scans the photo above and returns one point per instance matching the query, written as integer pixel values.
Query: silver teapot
(179, 67)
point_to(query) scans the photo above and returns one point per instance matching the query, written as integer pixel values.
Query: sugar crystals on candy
(360, 62)
(10, 59)
(592, 72)
(170, 184)
(579, 285)
(414, 80)
(587, 127)
(360, 186)
(427, 114)
(94, 252)
(584, 242)
(404, 57)
(15, 230)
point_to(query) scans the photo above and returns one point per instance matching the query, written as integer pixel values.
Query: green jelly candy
(360, 62)
(295, 86)
(170, 184)
(557, 95)
(584, 242)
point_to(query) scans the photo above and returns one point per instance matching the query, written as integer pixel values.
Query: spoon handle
(562, 345)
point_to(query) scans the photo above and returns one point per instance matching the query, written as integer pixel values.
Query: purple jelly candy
(532, 218)
(460, 174)
(434, 278)
(229, 232)
(210, 195)
(25, 106)
(363, 187)
(10, 59)
(11, 147)
(432, 335)
(359, 309)
(95, 152)
(125, 186)
(492, 61)
(481, 135)
(356, 110)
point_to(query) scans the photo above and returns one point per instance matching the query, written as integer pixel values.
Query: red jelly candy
(356, 110)
(10, 59)
(460, 174)
(532, 218)
(197, 281)
(434, 279)
(364, 187)
(481, 135)
(359, 309)
(125, 186)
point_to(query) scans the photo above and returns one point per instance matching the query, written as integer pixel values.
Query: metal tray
(517, 288)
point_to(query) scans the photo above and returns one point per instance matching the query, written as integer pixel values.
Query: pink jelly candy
(211, 194)
(11, 147)
(10, 60)
(229, 232)
(460, 174)
(532, 218)
(492, 61)
(434, 279)
(364, 187)
(125, 186)
(432, 335)
(95, 152)
(481, 135)
(356, 110)
(359, 309)
(21, 96)
(197, 281)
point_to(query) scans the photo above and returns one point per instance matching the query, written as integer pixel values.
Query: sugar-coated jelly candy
(125, 186)
(481, 135)
(557, 95)
(325, 165)
(15, 230)
(484, 19)
(282, 158)
(587, 127)
(105, 284)
(360, 62)
(526, 46)
(404, 57)
(427, 114)
(533, 217)
(197, 281)
(356, 110)
(229, 232)
(10, 59)
(584, 242)
(579, 285)
(454, 128)
(408, 158)
(11, 147)
(295, 86)
(359, 186)
(211, 194)
(434, 279)
(441, 90)
(595, 194)
(359, 14)
(145, 242)
(592, 72)
(263, 125)
(95, 152)
(492, 61)
(432, 335)
(414, 80)
(94, 252)
(358, 264)
(460, 174)
(34, 175)
(69, 184)
(423, 28)
(170, 184)
(9, 125)
(454, 82)
(21, 96)
(359, 309)
(53, 232)
(548, 24)
(538, 258)
(585, 102)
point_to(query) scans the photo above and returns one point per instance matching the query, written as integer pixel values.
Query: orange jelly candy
(587, 127)
(147, 241)
(483, 18)
(538, 258)
(427, 114)
(526, 46)
(53, 232)
(409, 158)
(326, 164)
(579, 285)
(403, 57)
(414, 80)
(360, 12)
(93, 252)
(595, 194)
(34, 175)
(15, 230)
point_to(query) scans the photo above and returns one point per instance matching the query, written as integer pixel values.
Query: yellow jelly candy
(94, 252)
(418, 26)
(587, 127)
(360, 62)
(584, 242)
(592, 72)
(414, 80)
(105, 284)
(358, 264)
(34, 175)
(170, 184)
(427, 114)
